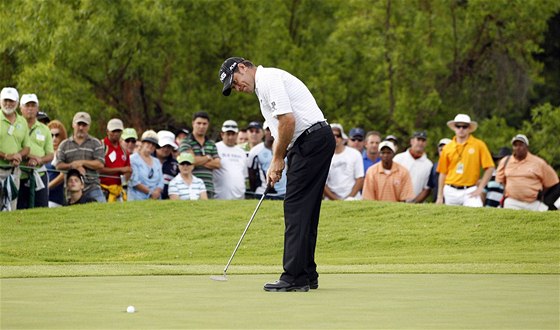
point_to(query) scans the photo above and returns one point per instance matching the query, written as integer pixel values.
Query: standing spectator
(524, 176)
(117, 163)
(186, 186)
(206, 158)
(393, 139)
(56, 178)
(460, 163)
(14, 147)
(169, 165)
(346, 173)
(83, 153)
(255, 134)
(128, 140)
(242, 138)
(356, 139)
(415, 160)
(229, 179)
(43, 117)
(75, 188)
(387, 180)
(302, 134)
(180, 135)
(494, 191)
(258, 163)
(146, 181)
(371, 154)
(434, 175)
(33, 193)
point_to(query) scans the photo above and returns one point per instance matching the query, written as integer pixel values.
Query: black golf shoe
(283, 286)
(314, 284)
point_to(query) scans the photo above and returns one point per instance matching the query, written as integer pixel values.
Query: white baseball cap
(444, 141)
(389, 145)
(341, 129)
(520, 137)
(9, 93)
(26, 98)
(230, 126)
(167, 138)
(115, 124)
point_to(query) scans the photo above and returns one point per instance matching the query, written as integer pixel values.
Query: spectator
(84, 153)
(255, 134)
(14, 146)
(34, 181)
(128, 140)
(356, 139)
(56, 178)
(117, 169)
(169, 165)
(146, 181)
(346, 173)
(494, 191)
(525, 176)
(229, 179)
(43, 117)
(206, 158)
(371, 154)
(387, 180)
(258, 163)
(242, 138)
(75, 188)
(341, 129)
(393, 139)
(434, 175)
(414, 159)
(180, 135)
(459, 165)
(186, 186)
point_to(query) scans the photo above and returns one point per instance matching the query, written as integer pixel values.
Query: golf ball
(130, 309)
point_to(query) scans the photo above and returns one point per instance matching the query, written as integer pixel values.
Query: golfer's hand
(274, 173)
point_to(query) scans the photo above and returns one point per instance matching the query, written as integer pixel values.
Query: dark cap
(254, 124)
(42, 116)
(226, 73)
(504, 151)
(76, 173)
(354, 132)
(420, 135)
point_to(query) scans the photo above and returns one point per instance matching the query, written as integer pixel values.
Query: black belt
(314, 127)
(460, 187)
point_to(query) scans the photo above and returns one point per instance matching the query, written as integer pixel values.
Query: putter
(223, 278)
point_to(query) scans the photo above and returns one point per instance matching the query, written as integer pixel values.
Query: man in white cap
(14, 147)
(41, 152)
(84, 153)
(117, 169)
(387, 180)
(169, 166)
(460, 163)
(229, 179)
(524, 175)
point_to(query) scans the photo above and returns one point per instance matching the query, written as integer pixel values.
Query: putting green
(342, 301)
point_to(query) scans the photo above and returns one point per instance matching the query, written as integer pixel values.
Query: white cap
(520, 137)
(167, 138)
(26, 98)
(465, 119)
(387, 144)
(339, 127)
(115, 124)
(230, 126)
(9, 93)
(444, 141)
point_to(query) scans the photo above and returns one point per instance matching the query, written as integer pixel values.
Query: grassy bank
(168, 237)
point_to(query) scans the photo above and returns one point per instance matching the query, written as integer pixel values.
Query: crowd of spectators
(44, 165)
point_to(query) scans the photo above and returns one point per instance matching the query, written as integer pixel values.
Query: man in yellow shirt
(460, 163)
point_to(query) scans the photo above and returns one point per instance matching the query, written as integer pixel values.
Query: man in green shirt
(14, 147)
(41, 152)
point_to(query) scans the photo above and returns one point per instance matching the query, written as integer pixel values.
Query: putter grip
(267, 190)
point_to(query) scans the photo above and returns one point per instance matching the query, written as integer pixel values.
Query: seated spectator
(186, 186)
(525, 175)
(346, 173)
(494, 191)
(356, 139)
(146, 181)
(128, 138)
(229, 179)
(117, 168)
(415, 160)
(75, 188)
(387, 180)
(164, 153)
(56, 178)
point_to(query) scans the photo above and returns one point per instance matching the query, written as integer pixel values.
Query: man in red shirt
(117, 163)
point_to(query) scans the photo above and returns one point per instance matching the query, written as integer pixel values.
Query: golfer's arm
(286, 129)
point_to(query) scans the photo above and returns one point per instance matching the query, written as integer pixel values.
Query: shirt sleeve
(486, 157)
(276, 96)
(501, 171)
(367, 191)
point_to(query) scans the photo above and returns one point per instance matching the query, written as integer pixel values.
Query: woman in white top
(186, 186)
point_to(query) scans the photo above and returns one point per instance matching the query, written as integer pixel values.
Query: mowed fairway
(343, 301)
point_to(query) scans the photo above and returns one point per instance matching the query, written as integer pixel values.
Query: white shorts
(454, 196)
(515, 204)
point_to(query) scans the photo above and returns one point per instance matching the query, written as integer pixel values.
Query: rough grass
(178, 237)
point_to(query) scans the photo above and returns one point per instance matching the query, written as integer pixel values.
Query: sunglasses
(462, 126)
(185, 164)
(229, 126)
(356, 139)
(55, 134)
(337, 136)
(151, 174)
(130, 141)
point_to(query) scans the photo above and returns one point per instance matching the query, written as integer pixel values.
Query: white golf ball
(131, 309)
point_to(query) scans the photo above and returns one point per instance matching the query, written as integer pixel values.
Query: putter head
(219, 278)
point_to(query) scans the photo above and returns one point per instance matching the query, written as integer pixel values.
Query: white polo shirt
(419, 169)
(346, 167)
(229, 179)
(280, 93)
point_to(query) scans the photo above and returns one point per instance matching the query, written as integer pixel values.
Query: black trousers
(308, 166)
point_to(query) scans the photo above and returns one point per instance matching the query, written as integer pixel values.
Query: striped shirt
(179, 187)
(209, 148)
(91, 149)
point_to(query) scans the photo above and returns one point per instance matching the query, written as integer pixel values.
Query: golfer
(302, 134)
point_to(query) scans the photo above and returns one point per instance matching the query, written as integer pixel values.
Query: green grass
(168, 237)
